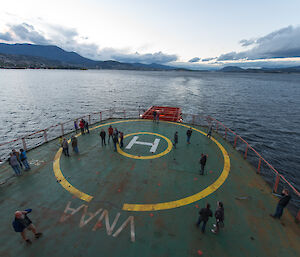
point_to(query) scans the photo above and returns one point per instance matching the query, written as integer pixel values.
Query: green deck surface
(113, 179)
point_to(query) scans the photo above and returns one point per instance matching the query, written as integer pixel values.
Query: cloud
(5, 36)
(70, 40)
(195, 59)
(282, 43)
(208, 59)
(26, 32)
(148, 58)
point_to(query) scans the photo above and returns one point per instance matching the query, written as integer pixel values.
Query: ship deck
(135, 202)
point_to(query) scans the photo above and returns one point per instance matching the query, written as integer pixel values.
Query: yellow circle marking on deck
(156, 206)
(147, 157)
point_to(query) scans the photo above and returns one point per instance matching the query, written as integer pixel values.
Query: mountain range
(22, 56)
(50, 56)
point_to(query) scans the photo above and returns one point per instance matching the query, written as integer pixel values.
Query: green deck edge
(113, 179)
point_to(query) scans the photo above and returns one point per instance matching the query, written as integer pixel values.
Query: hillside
(49, 56)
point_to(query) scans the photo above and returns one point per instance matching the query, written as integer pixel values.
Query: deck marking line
(149, 207)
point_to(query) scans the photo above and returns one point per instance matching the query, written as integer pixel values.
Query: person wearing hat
(23, 223)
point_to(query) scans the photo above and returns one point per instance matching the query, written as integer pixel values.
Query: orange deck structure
(165, 113)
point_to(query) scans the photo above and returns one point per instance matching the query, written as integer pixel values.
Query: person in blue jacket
(23, 158)
(23, 223)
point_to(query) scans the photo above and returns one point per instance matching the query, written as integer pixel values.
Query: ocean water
(262, 108)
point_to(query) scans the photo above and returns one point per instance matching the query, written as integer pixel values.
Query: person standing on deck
(209, 131)
(13, 162)
(23, 158)
(74, 144)
(219, 215)
(154, 115)
(17, 154)
(86, 125)
(23, 223)
(60, 140)
(110, 133)
(65, 146)
(81, 125)
(115, 141)
(204, 215)
(189, 134)
(157, 117)
(202, 163)
(283, 202)
(103, 135)
(116, 132)
(121, 139)
(175, 139)
(75, 125)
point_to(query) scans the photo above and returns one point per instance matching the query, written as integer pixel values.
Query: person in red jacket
(81, 125)
(110, 133)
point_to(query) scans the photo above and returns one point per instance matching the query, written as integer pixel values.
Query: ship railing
(276, 180)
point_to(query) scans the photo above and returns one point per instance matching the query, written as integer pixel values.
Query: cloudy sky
(192, 33)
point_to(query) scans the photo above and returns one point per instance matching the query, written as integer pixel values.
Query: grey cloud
(247, 42)
(6, 36)
(27, 32)
(208, 59)
(282, 43)
(195, 59)
(69, 40)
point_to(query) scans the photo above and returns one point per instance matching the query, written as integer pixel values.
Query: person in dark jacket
(121, 139)
(17, 154)
(219, 215)
(86, 125)
(209, 131)
(65, 146)
(154, 115)
(103, 135)
(75, 125)
(115, 140)
(189, 134)
(23, 158)
(204, 215)
(23, 223)
(175, 139)
(74, 143)
(202, 163)
(283, 202)
(13, 162)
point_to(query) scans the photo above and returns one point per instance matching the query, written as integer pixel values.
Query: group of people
(63, 142)
(18, 161)
(114, 134)
(83, 125)
(206, 212)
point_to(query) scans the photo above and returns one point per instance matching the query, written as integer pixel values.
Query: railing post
(45, 136)
(100, 116)
(24, 144)
(89, 119)
(246, 151)
(62, 129)
(193, 122)
(139, 112)
(234, 145)
(124, 114)
(298, 217)
(259, 164)
(225, 136)
(276, 183)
